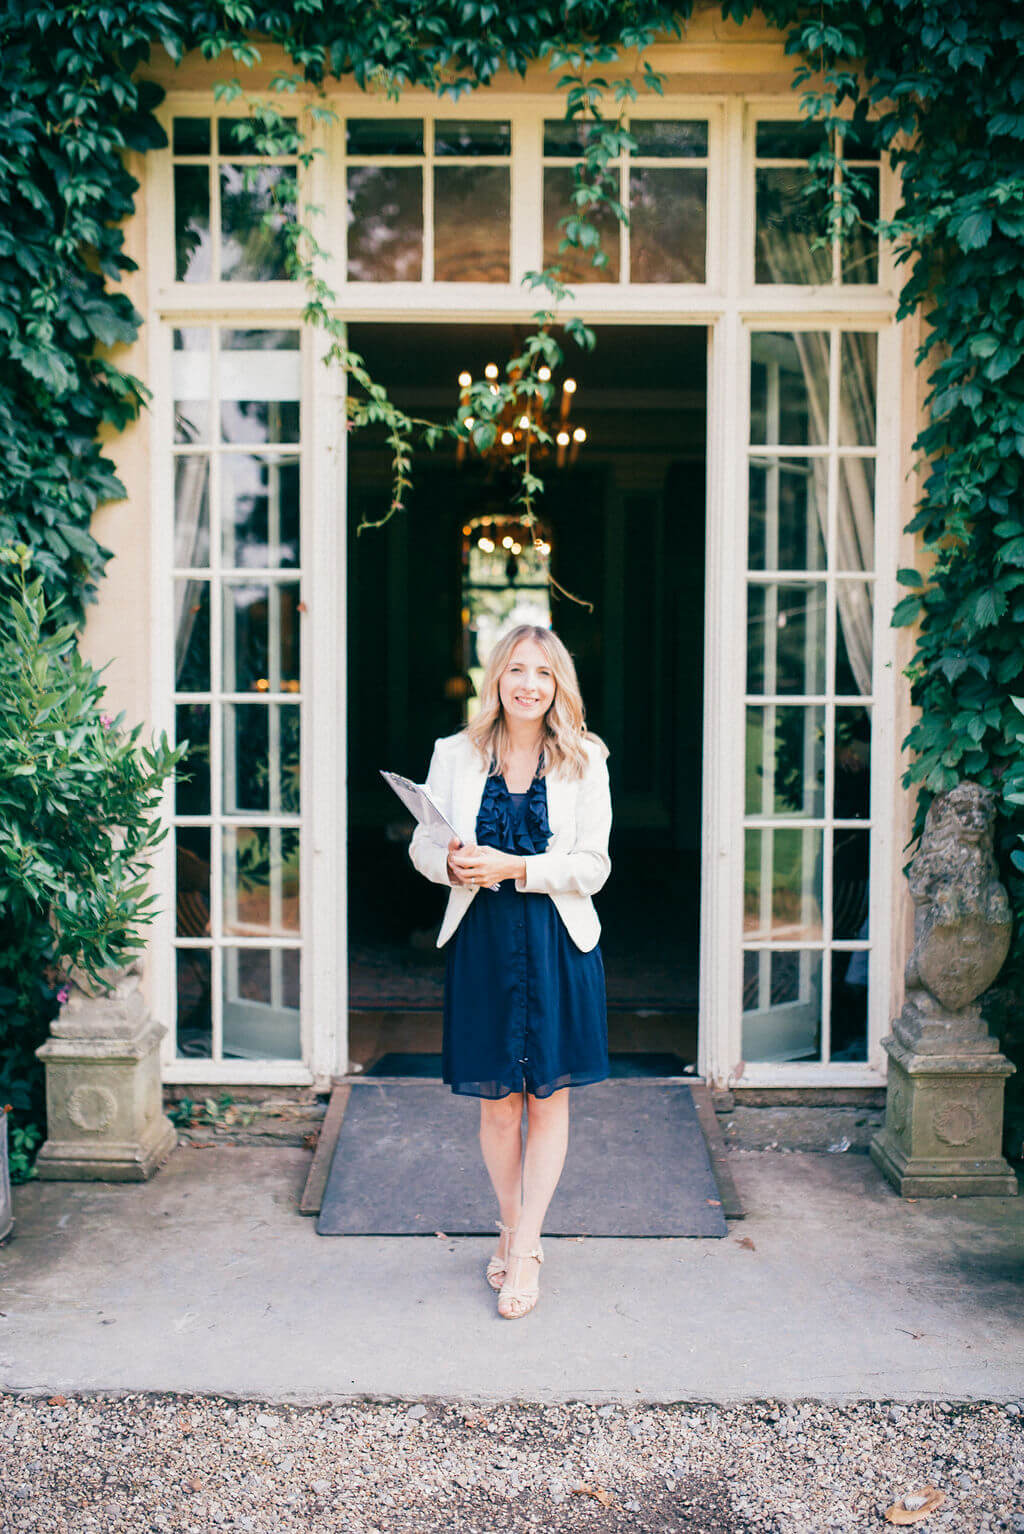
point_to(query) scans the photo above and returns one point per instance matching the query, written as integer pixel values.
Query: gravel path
(139, 1463)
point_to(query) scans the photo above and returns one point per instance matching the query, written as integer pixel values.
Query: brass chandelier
(517, 420)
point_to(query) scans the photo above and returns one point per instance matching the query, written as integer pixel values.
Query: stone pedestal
(944, 1095)
(944, 1110)
(104, 1115)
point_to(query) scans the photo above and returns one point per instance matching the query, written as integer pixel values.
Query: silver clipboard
(423, 809)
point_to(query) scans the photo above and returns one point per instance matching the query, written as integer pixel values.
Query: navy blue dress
(524, 1008)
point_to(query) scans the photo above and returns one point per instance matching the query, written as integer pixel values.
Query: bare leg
(501, 1141)
(547, 1141)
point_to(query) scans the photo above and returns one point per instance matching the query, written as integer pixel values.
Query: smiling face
(526, 687)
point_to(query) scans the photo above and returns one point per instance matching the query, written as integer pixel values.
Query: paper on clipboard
(419, 803)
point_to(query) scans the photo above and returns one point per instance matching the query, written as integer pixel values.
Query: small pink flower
(63, 994)
(106, 720)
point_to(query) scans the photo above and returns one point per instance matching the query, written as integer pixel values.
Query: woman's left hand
(488, 865)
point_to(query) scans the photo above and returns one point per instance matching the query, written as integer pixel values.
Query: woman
(525, 785)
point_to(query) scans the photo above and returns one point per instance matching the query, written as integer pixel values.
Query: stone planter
(944, 1095)
(6, 1205)
(104, 1114)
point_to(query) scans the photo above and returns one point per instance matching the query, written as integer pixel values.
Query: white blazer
(574, 867)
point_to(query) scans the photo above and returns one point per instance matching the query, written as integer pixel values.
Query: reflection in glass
(789, 387)
(471, 223)
(261, 880)
(192, 778)
(472, 137)
(384, 135)
(260, 511)
(385, 223)
(261, 1004)
(782, 884)
(789, 140)
(669, 137)
(786, 638)
(191, 636)
(785, 760)
(852, 783)
(261, 758)
(788, 510)
(261, 637)
(577, 264)
(850, 869)
(859, 247)
(855, 612)
(193, 252)
(668, 225)
(253, 243)
(190, 135)
(790, 217)
(567, 140)
(782, 1005)
(858, 373)
(259, 383)
(192, 511)
(195, 1023)
(192, 881)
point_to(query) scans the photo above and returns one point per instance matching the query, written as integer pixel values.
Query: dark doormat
(426, 1066)
(407, 1162)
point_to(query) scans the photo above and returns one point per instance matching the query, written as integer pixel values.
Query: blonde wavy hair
(564, 727)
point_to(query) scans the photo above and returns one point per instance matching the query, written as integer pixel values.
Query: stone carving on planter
(944, 1098)
(104, 1114)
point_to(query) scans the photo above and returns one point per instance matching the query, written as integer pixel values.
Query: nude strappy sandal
(525, 1299)
(497, 1266)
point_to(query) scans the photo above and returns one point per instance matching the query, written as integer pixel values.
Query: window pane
(781, 1006)
(668, 225)
(252, 250)
(259, 385)
(261, 637)
(192, 881)
(786, 638)
(789, 219)
(467, 137)
(782, 884)
(193, 252)
(785, 764)
(567, 140)
(260, 498)
(192, 778)
(858, 373)
(789, 140)
(667, 137)
(855, 614)
(192, 511)
(191, 636)
(850, 868)
(261, 881)
(191, 135)
(852, 784)
(261, 1004)
(195, 1025)
(849, 1020)
(576, 264)
(261, 758)
(859, 248)
(855, 515)
(788, 509)
(385, 213)
(789, 387)
(471, 223)
(244, 135)
(384, 135)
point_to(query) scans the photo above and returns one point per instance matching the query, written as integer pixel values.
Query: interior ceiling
(630, 357)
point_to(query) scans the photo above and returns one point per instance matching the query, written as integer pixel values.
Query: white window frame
(728, 306)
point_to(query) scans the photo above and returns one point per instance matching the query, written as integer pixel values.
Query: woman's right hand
(455, 875)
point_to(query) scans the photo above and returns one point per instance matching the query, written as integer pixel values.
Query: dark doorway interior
(627, 535)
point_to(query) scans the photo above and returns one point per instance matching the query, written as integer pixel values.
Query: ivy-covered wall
(943, 88)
